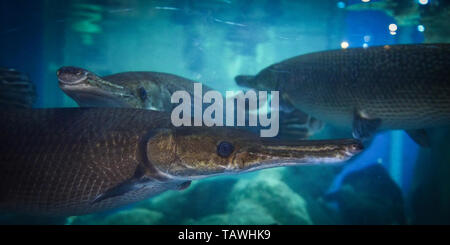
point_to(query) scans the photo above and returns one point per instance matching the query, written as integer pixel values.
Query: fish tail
(16, 90)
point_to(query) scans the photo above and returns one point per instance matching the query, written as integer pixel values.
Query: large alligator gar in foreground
(72, 161)
(367, 89)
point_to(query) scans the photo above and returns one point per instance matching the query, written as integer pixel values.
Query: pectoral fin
(419, 136)
(293, 133)
(285, 105)
(120, 189)
(363, 127)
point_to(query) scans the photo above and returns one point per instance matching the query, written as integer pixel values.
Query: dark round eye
(224, 149)
(142, 93)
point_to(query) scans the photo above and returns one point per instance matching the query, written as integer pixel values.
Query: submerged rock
(311, 183)
(263, 199)
(17, 219)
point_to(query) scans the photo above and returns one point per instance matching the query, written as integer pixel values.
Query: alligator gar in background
(72, 161)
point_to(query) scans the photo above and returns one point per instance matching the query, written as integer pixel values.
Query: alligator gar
(73, 161)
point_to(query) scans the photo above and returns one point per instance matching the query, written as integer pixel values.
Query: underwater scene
(116, 112)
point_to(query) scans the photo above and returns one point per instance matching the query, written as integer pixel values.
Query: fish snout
(69, 75)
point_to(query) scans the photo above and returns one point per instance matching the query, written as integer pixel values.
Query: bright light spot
(341, 5)
(380, 160)
(366, 38)
(421, 28)
(393, 33)
(344, 45)
(365, 45)
(365, 1)
(392, 27)
(423, 2)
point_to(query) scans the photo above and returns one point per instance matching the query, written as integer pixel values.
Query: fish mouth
(87, 95)
(311, 152)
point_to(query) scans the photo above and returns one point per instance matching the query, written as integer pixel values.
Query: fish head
(199, 152)
(90, 90)
(157, 97)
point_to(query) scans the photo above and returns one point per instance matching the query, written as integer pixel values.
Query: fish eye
(142, 93)
(224, 149)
